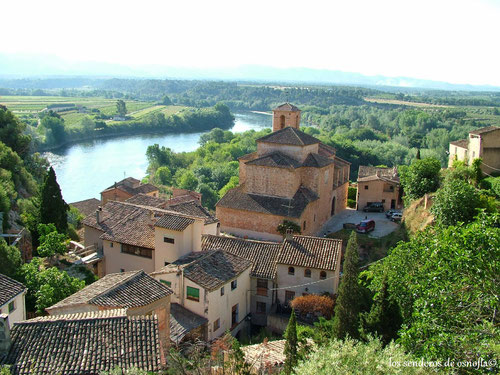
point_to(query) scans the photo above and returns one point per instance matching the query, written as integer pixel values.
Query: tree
(286, 225)
(476, 171)
(208, 196)
(53, 208)
(233, 182)
(51, 242)
(88, 124)
(163, 176)
(314, 304)
(188, 181)
(10, 259)
(446, 284)
(456, 201)
(421, 177)
(12, 132)
(53, 126)
(166, 100)
(384, 318)
(47, 286)
(121, 108)
(346, 319)
(291, 345)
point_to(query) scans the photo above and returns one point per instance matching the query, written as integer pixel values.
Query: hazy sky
(446, 40)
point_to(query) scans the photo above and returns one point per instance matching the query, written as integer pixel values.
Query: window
(193, 294)
(111, 244)
(234, 284)
(291, 271)
(262, 287)
(304, 225)
(383, 200)
(234, 315)
(168, 240)
(136, 250)
(216, 325)
(167, 283)
(391, 187)
(289, 295)
(122, 269)
(12, 307)
(261, 308)
(166, 263)
(222, 291)
(322, 275)
(366, 187)
(307, 273)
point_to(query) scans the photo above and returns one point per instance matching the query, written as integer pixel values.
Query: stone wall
(279, 182)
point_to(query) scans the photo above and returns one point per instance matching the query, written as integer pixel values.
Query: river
(85, 169)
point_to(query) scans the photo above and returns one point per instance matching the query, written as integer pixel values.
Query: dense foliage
(53, 208)
(420, 178)
(353, 357)
(445, 281)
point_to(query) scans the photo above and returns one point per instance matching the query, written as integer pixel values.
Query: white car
(396, 216)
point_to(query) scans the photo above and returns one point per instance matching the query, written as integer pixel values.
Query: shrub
(314, 304)
(287, 224)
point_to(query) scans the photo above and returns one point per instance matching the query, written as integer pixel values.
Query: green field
(30, 106)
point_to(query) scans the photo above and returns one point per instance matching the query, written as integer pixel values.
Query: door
(333, 207)
(393, 204)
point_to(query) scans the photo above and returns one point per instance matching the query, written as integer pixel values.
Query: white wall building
(12, 294)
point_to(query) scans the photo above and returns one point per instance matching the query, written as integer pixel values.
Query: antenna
(124, 174)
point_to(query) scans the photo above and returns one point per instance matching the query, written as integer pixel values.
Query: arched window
(291, 271)
(322, 275)
(282, 121)
(307, 273)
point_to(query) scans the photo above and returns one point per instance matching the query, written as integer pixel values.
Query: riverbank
(192, 121)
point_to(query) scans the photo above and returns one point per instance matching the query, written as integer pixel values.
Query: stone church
(292, 176)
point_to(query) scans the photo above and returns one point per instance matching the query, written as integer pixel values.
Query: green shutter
(167, 283)
(193, 293)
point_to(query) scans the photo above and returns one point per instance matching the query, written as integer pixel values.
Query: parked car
(365, 226)
(396, 216)
(374, 207)
(389, 213)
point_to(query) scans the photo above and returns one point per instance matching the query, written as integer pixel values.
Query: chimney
(163, 315)
(289, 234)
(4, 334)
(377, 173)
(98, 214)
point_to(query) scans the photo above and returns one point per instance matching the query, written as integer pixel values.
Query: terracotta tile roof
(484, 130)
(275, 159)
(124, 290)
(289, 136)
(9, 288)
(265, 355)
(147, 200)
(84, 344)
(317, 161)
(193, 208)
(341, 162)
(325, 150)
(174, 222)
(133, 224)
(132, 186)
(286, 107)
(182, 322)
(262, 254)
(366, 173)
(312, 252)
(209, 269)
(87, 206)
(237, 199)
(463, 143)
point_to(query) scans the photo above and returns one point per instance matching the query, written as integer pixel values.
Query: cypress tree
(53, 208)
(291, 345)
(347, 307)
(384, 318)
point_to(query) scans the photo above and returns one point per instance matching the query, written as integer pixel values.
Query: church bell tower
(286, 115)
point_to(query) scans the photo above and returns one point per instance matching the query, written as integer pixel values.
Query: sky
(456, 41)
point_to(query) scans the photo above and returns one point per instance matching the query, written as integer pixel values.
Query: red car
(365, 226)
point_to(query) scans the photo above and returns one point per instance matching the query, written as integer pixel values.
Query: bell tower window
(282, 121)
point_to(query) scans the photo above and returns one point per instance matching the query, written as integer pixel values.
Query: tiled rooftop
(311, 252)
(368, 173)
(87, 343)
(124, 290)
(463, 143)
(275, 159)
(9, 288)
(132, 186)
(87, 206)
(289, 136)
(182, 322)
(147, 200)
(174, 222)
(286, 107)
(262, 254)
(237, 199)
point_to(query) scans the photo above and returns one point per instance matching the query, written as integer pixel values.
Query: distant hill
(43, 66)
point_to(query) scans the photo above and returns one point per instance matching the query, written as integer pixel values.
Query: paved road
(383, 226)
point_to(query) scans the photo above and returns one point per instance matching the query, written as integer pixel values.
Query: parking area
(383, 226)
